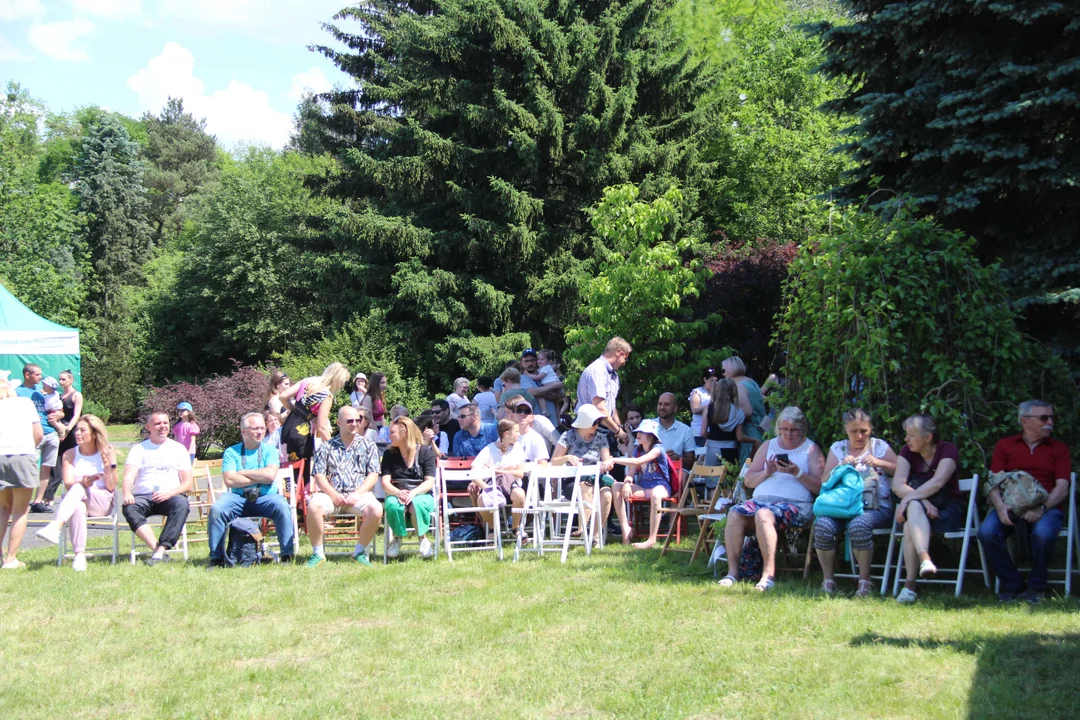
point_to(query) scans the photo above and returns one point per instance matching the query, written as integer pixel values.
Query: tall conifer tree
(476, 136)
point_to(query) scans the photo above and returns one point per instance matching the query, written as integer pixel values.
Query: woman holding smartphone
(785, 475)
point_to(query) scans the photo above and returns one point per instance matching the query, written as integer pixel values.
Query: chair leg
(888, 562)
(704, 528)
(963, 562)
(899, 568)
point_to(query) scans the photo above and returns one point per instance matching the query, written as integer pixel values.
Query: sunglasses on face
(1042, 418)
(353, 421)
(522, 411)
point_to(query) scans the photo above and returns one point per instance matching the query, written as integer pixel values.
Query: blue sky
(241, 64)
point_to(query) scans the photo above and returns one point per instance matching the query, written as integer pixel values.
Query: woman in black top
(408, 476)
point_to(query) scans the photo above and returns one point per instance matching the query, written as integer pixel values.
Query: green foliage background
(899, 317)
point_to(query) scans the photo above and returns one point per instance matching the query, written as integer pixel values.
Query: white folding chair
(181, 547)
(530, 511)
(388, 534)
(102, 522)
(449, 512)
(1072, 539)
(559, 513)
(966, 535)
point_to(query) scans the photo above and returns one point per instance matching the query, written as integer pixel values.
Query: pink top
(185, 433)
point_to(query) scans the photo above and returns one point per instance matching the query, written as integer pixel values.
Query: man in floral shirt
(345, 470)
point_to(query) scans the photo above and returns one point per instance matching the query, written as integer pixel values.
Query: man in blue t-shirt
(474, 435)
(250, 469)
(50, 441)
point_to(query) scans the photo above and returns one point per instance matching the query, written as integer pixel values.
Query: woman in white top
(90, 486)
(20, 433)
(874, 459)
(785, 474)
(459, 398)
(700, 398)
(507, 459)
(359, 397)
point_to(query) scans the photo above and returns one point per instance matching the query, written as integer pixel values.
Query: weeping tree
(900, 317)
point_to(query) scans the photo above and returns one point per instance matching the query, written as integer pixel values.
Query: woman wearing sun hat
(583, 444)
(648, 475)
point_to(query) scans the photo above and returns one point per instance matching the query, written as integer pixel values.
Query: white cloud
(57, 39)
(19, 9)
(10, 53)
(314, 80)
(241, 13)
(234, 114)
(109, 9)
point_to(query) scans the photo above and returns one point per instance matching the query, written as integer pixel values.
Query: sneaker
(13, 565)
(79, 563)
(152, 560)
(927, 567)
(906, 597)
(315, 560)
(1032, 597)
(50, 533)
(40, 508)
(1007, 597)
(394, 548)
(362, 560)
(285, 559)
(427, 549)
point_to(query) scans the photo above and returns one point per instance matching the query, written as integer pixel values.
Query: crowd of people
(381, 464)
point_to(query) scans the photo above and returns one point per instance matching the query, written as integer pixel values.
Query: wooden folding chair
(204, 494)
(689, 506)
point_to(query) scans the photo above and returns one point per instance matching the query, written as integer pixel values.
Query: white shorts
(321, 502)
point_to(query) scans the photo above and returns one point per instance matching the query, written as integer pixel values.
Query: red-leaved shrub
(219, 403)
(746, 289)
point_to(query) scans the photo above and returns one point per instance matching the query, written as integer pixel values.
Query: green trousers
(395, 514)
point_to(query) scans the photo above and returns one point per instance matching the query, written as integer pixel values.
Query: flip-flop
(765, 584)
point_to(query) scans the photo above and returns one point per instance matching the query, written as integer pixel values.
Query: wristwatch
(113, 466)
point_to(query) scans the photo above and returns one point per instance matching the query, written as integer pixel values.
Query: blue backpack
(841, 495)
(246, 547)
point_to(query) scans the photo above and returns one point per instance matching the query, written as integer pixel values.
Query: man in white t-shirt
(676, 436)
(157, 475)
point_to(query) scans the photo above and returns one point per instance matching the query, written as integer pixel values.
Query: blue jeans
(1044, 534)
(230, 506)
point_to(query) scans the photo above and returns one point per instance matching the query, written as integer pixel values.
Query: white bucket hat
(587, 415)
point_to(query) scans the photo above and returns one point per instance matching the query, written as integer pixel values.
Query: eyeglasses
(1042, 418)
(353, 421)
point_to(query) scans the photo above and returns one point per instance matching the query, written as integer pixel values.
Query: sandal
(828, 586)
(727, 581)
(866, 589)
(765, 584)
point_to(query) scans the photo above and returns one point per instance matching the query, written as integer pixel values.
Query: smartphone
(782, 458)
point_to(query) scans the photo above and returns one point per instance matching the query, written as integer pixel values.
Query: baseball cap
(51, 382)
(527, 352)
(360, 376)
(185, 406)
(587, 415)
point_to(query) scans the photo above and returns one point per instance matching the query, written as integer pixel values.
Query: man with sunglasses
(474, 435)
(345, 471)
(1047, 460)
(249, 470)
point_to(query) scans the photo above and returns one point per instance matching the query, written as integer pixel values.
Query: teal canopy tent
(26, 337)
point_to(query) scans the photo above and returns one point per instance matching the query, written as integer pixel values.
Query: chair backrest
(454, 463)
(676, 476)
(701, 470)
(211, 464)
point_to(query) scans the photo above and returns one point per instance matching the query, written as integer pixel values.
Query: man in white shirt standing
(157, 475)
(599, 385)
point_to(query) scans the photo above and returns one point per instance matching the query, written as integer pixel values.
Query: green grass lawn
(125, 433)
(618, 635)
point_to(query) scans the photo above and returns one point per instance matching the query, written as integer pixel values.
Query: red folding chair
(639, 522)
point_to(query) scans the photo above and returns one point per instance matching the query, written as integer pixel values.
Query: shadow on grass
(1016, 675)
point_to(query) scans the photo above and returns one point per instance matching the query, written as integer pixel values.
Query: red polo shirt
(1046, 463)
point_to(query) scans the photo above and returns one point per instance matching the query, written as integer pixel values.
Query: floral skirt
(788, 517)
